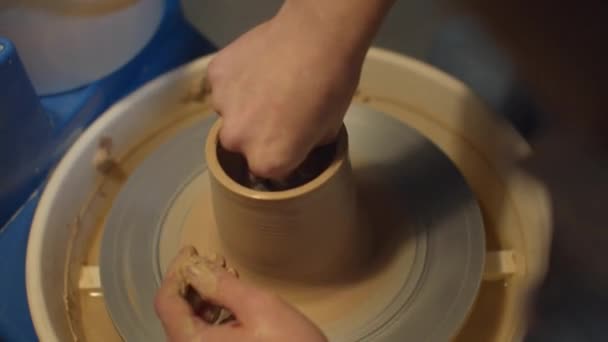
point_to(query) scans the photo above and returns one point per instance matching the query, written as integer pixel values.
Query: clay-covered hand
(283, 88)
(259, 316)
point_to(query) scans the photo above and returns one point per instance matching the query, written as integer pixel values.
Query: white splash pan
(486, 150)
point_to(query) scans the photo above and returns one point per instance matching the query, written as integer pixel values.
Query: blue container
(35, 132)
(26, 133)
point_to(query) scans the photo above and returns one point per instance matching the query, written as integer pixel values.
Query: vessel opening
(235, 166)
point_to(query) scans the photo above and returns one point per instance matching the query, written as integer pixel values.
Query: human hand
(283, 88)
(259, 316)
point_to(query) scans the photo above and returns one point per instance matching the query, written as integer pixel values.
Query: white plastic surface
(65, 44)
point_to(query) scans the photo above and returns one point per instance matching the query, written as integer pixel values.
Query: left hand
(260, 316)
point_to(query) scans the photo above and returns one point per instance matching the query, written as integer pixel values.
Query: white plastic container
(65, 44)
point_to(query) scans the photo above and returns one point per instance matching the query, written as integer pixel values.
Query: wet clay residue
(105, 162)
(197, 279)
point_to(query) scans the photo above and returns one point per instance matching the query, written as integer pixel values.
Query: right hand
(283, 88)
(260, 316)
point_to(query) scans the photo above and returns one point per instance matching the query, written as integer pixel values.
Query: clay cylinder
(307, 233)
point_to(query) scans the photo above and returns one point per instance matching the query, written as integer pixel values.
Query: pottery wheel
(428, 228)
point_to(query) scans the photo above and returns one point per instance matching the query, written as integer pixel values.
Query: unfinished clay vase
(306, 233)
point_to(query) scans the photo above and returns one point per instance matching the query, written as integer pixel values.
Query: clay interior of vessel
(307, 232)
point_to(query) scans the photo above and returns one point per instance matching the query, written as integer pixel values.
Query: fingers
(273, 165)
(222, 287)
(184, 301)
(292, 171)
(210, 279)
(175, 313)
(270, 154)
(274, 161)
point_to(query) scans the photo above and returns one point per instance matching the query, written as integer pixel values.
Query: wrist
(345, 26)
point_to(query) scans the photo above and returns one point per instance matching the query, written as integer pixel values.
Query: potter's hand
(259, 316)
(284, 87)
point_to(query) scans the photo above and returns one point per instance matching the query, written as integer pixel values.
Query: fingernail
(211, 314)
(224, 316)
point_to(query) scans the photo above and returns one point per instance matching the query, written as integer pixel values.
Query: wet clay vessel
(307, 233)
